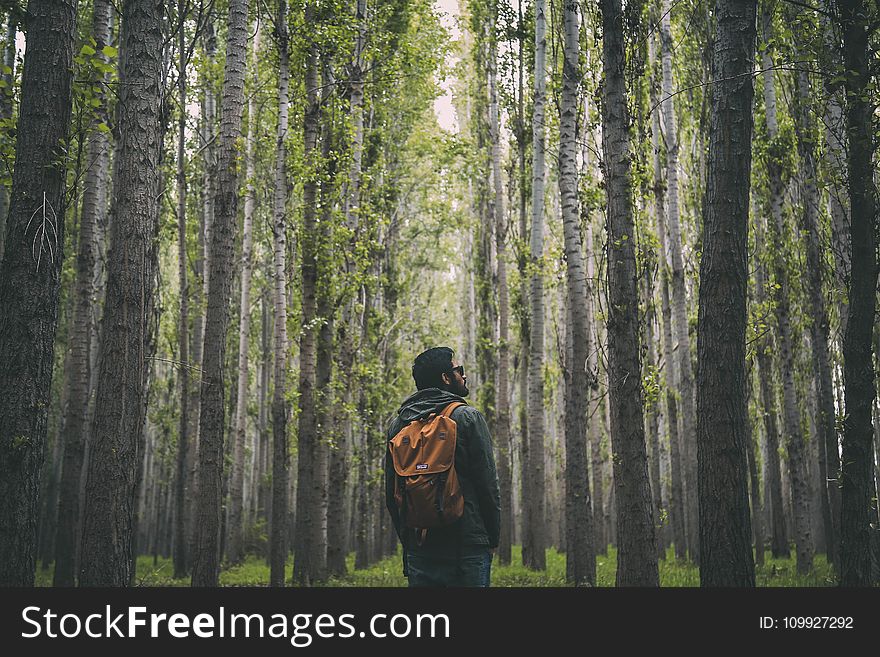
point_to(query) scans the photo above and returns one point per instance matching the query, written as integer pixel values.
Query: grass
(255, 572)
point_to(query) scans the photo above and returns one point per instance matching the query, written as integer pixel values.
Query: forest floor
(255, 572)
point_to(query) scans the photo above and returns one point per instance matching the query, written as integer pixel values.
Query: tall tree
(308, 522)
(181, 544)
(534, 533)
(78, 375)
(30, 277)
(807, 138)
(126, 336)
(280, 447)
(794, 442)
(683, 369)
(235, 525)
(636, 540)
(580, 568)
(722, 432)
(347, 327)
(676, 489)
(502, 436)
(206, 560)
(858, 364)
(764, 349)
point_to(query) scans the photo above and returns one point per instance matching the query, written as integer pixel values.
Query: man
(459, 554)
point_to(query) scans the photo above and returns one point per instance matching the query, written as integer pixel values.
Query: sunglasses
(459, 369)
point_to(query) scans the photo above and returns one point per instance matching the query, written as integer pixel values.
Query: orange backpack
(427, 490)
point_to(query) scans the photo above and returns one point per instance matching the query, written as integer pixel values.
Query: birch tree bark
(534, 534)
(502, 438)
(807, 138)
(307, 516)
(235, 527)
(778, 234)
(676, 492)
(580, 568)
(280, 448)
(684, 374)
(78, 378)
(181, 544)
(206, 561)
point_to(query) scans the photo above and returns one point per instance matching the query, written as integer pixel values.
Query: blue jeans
(469, 570)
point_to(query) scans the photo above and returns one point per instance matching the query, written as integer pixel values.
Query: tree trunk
(127, 339)
(580, 568)
(676, 492)
(235, 526)
(834, 125)
(722, 418)
(181, 556)
(779, 237)
(764, 350)
(307, 529)
(30, 276)
(77, 380)
(600, 536)
(757, 507)
(684, 379)
(534, 534)
(858, 364)
(325, 426)
(502, 436)
(829, 460)
(206, 561)
(637, 546)
(201, 270)
(280, 449)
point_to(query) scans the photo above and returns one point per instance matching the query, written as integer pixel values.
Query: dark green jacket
(480, 525)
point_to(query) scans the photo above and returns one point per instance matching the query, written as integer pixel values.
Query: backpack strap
(447, 411)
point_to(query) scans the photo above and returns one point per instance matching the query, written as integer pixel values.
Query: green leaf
(109, 51)
(87, 50)
(103, 127)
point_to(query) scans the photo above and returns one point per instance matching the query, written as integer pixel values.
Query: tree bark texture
(858, 365)
(116, 441)
(534, 533)
(308, 522)
(502, 437)
(684, 379)
(78, 377)
(580, 568)
(280, 449)
(637, 547)
(206, 560)
(235, 524)
(722, 419)
(30, 279)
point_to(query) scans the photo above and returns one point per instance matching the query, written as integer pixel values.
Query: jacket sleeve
(389, 492)
(485, 477)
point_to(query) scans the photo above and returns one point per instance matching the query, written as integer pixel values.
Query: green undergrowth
(255, 572)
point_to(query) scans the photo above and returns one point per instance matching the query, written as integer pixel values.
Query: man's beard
(455, 388)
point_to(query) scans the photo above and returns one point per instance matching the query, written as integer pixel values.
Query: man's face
(455, 380)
